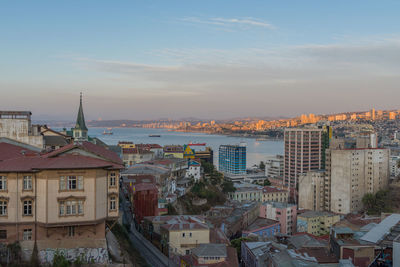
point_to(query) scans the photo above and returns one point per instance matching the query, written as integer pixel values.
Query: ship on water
(108, 131)
(154, 135)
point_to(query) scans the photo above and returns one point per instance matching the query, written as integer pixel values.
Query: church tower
(80, 130)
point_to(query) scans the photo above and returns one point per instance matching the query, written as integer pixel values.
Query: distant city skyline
(206, 59)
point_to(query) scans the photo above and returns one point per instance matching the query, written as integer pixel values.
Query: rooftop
(136, 179)
(210, 250)
(171, 219)
(384, 229)
(145, 169)
(97, 150)
(35, 163)
(279, 205)
(313, 213)
(272, 189)
(10, 151)
(304, 240)
(185, 226)
(260, 223)
(15, 114)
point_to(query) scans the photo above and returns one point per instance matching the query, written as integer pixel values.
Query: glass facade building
(232, 159)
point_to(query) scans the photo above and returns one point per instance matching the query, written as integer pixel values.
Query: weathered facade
(17, 125)
(355, 172)
(59, 200)
(311, 190)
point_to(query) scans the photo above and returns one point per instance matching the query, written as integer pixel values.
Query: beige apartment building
(60, 200)
(355, 172)
(349, 175)
(312, 190)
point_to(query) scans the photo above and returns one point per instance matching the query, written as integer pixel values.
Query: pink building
(285, 213)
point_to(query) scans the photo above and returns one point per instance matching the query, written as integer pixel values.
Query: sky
(209, 59)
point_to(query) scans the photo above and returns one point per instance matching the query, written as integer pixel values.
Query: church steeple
(80, 130)
(80, 120)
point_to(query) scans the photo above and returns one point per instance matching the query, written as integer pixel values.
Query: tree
(267, 182)
(368, 201)
(228, 186)
(209, 168)
(262, 165)
(398, 164)
(375, 204)
(237, 243)
(171, 210)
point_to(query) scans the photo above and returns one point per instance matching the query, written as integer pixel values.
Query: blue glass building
(232, 159)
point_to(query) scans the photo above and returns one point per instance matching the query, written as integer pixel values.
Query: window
(71, 182)
(71, 207)
(3, 234)
(112, 179)
(27, 207)
(62, 210)
(190, 234)
(183, 234)
(113, 203)
(27, 183)
(27, 234)
(71, 231)
(3, 207)
(3, 183)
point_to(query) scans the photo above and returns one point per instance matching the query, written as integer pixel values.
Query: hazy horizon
(210, 60)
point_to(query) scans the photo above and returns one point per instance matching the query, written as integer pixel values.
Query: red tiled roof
(9, 151)
(28, 164)
(89, 147)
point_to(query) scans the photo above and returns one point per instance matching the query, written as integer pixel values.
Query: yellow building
(174, 151)
(125, 144)
(316, 222)
(180, 238)
(188, 153)
(272, 193)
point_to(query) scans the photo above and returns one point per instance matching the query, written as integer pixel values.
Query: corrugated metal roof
(381, 230)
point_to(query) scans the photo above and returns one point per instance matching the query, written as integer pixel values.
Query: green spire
(80, 120)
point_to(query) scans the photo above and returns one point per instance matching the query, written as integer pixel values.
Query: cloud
(258, 81)
(231, 23)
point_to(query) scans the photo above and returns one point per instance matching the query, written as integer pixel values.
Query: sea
(256, 150)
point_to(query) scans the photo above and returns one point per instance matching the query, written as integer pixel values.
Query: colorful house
(188, 153)
(263, 227)
(194, 170)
